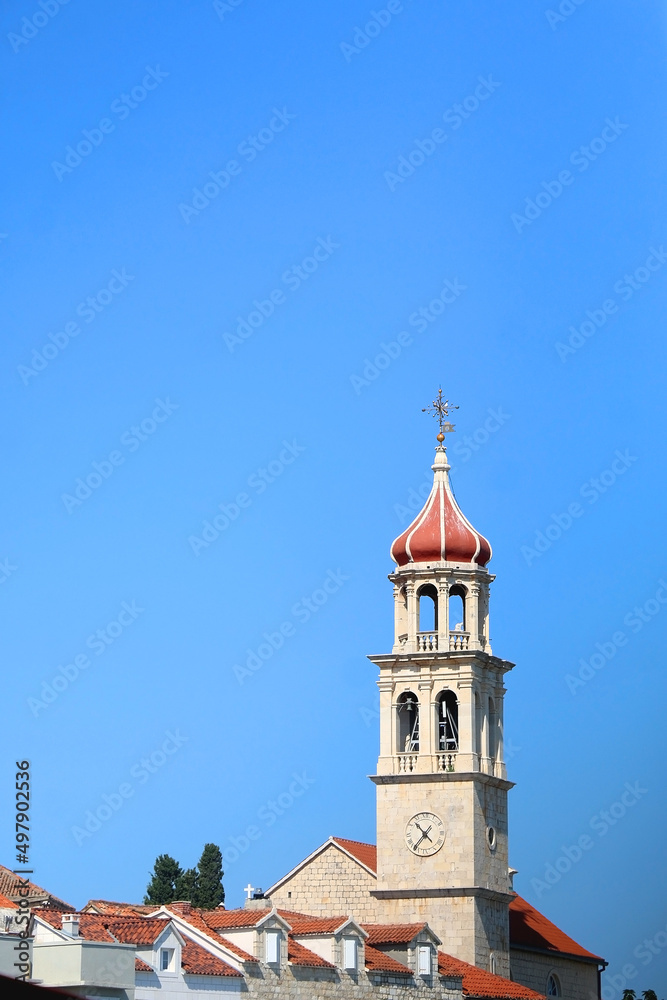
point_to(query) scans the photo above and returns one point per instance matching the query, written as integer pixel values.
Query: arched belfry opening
(428, 609)
(408, 723)
(448, 722)
(457, 608)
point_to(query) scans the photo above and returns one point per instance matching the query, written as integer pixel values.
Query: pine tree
(186, 885)
(162, 886)
(209, 891)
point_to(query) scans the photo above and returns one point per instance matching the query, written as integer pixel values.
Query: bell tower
(441, 782)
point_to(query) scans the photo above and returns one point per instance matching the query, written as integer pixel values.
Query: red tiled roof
(118, 909)
(480, 983)
(195, 919)
(225, 919)
(196, 961)
(377, 961)
(135, 930)
(141, 966)
(366, 853)
(392, 933)
(297, 954)
(303, 923)
(7, 904)
(529, 927)
(91, 926)
(9, 886)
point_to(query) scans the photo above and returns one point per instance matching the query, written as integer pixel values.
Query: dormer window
(424, 960)
(272, 947)
(166, 959)
(350, 954)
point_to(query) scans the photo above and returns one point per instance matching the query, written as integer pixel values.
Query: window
(553, 985)
(408, 723)
(424, 960)
(166, 959)
(492, 963)
(350, 954)
(448, 721)
(272, 947)
(491, 837)
(457, 616)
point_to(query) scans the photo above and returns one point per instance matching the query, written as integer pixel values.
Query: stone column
(466, 758)
(443, 616)
(413, 614)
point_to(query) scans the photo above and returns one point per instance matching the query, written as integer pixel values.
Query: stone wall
(331, 884)
(578, 980)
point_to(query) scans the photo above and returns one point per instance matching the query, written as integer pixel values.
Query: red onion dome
(441, 532)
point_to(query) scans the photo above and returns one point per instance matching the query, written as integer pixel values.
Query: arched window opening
(457, 609)
(428, 608)
(448, 721)
(408, 723)
(402, 615)
(493, 730)
(553, 985)
(478, 725)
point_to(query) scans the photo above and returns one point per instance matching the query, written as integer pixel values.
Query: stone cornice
(474, 890)
(413, 777)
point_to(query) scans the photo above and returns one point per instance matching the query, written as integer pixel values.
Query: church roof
(530, 928)
(441, 531)
(379, 961)
(297, 954)
(483, 984)
(367, 854)
(220, 919)
(392, 933)
(303, 923)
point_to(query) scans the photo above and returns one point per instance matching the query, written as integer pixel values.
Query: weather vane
(440, 408)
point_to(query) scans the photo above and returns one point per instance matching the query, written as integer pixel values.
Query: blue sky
(185, 333)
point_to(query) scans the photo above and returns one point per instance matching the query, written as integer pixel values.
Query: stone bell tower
(442, 851)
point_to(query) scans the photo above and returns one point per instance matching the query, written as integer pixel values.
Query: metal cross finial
(440, 408)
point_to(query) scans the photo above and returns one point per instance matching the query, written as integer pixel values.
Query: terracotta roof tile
(196, 961)
(91, 926)
(366, 853)
(141, 966)
(135, 930)
(377, 961)
(297, 954)
(9, 885)
(226, 919)
(195, 919)
(392, 933)
(7, 904)
(479, 983)
(118, 909)
(303, 923)
(529, 927)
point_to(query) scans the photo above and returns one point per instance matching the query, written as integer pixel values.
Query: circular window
(491, 837)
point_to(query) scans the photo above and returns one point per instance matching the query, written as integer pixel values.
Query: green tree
(646, 994)
(209, 891)
(186, 885)
(164, 877)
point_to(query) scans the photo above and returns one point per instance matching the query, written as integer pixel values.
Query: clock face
(425, 834)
